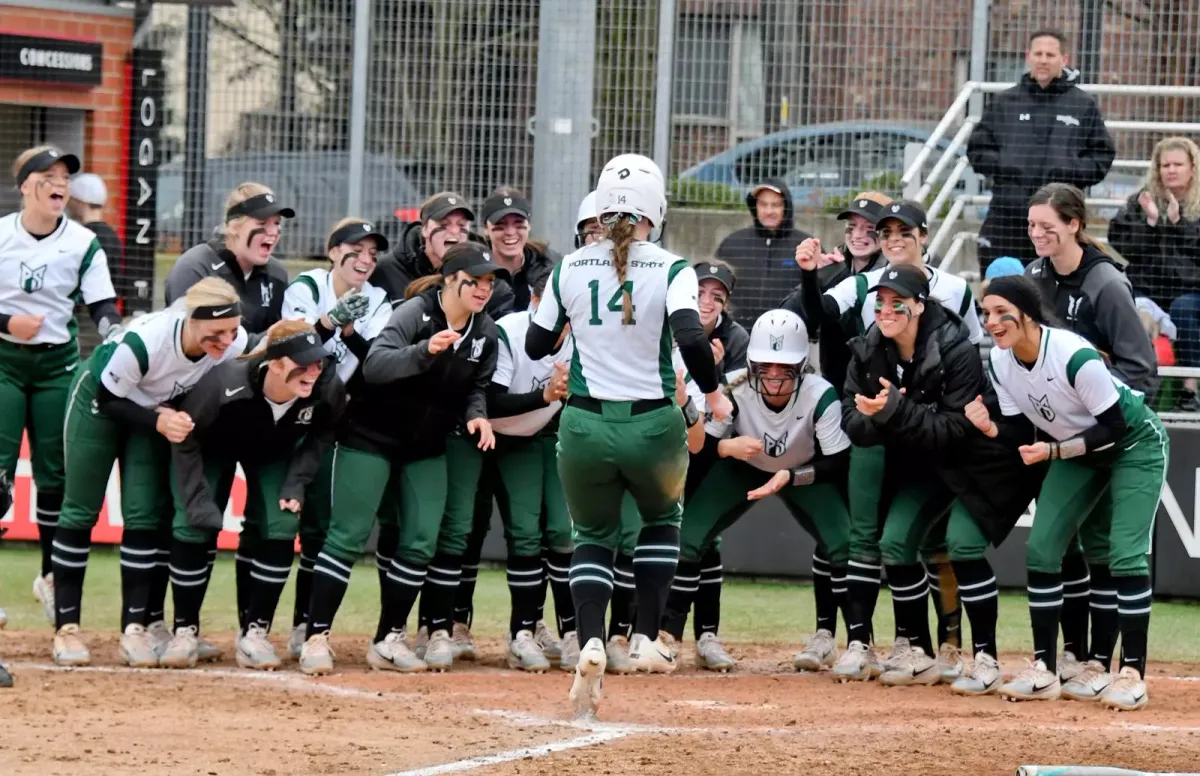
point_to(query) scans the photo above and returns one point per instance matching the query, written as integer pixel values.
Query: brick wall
(103, 149)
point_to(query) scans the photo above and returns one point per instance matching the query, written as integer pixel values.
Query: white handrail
(955, 249)
(948, 187)
(960, 139)
(956, 108)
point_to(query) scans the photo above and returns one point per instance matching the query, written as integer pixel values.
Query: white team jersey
(789, 436)
(614, 361)
(520, 374)
(311, 296)
(146, 363)
(951, 290)
(49, 277)
(1064, 391)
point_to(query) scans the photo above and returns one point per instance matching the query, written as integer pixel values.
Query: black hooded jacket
(764, 259)
(1096, 302)
(1164, 259)
(411, 400)
(925, 430)
(407, 262)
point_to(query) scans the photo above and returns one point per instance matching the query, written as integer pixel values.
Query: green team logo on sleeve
(32, 278)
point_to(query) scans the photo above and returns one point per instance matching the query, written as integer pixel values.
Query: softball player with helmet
(50, 264)
(621, 431)
(123, 408)
(347, 312)
(274, 413)
(426, 374)
(1108, 458)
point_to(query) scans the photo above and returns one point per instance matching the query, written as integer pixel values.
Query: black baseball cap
(867, 208)
(472, 259)
(44, 160)
(356, 232)
(907, 281)
(261, 206)
(444, 204)
(907, 213)
(721, 274)
(304, 348)
(498, 206)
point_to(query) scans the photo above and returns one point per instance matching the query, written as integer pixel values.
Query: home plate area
(485, 719)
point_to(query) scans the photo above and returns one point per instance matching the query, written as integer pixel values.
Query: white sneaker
(616, 653)
(915, 668)
(650, 655)
(711, 655)
(897, 656)
(819, 652)
(316, 658)
(296, 640)
(439, 652)
(589, 679)
(1127, 692)
(183, 650)
(137, 648)
(1036, 683)
(160, 636)
(208, 652)
(855, 663)
(393, 654)
(1089, 684)
(464, 647)
(43, 591)
(983, 678)
(421, 641)
(69, 647)
(570, 652)
(668, 641)
(1069, 667)
(950, 663)
(255, 651)
(551, 647)
(525, 654)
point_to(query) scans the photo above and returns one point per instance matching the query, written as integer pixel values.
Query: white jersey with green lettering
(520, 374)
(1066, 388)
(311, 296)
(145, 362)
(50, 276)
(952, 291)
(790, 435)
(615, 361)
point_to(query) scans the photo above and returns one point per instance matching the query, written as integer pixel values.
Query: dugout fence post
(358, 104)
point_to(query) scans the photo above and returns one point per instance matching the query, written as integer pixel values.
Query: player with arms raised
(625, 299)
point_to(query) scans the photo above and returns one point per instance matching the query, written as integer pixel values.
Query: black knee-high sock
(1045, 608)
(943, 592)
(70, 557)
(910, 594)
(524, 589)
(863, 579)
(855, 630)
(624, 587)
(211, 552)
(706, 611)
(591, 589)
(981, 598)
(545, 586)
(1076, 582)
(139, 556)
(464, 595)
(558, 573)
(156, 608)
(304, 582)
(1102, 603)
(826, 600)
(48, 507)
(437, 597)
(402, 585)
(331, 577)
(189, 579)
(654, 563)
(385, 549)
(272, 566)
(243, 582)
(1134, 598)
(684, 589)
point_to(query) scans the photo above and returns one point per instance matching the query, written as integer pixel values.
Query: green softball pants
(35, 386)
(530, 496)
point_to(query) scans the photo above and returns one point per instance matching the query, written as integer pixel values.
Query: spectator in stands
(88, 197)
(1084, 288)
(1043, 129)
(1158, 233)
(763, 255)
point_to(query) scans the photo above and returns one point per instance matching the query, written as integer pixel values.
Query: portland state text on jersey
(636, 263)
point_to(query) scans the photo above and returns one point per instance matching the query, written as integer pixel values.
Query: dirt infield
(485, 719)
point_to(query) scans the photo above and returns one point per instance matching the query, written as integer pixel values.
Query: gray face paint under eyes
(254, 233)
(1008, 318)
(350, 256)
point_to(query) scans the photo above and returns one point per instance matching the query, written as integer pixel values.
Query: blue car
(818, 161)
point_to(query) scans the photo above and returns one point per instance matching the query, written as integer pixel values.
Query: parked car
(315, 184)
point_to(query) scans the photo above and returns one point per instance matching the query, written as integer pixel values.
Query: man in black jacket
(1042, 130)
(764, 255)
(445, 221)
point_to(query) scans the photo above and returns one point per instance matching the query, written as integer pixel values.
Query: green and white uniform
(951, 291)
(1109, 495)
(311, 295)
(46, 277)
(810, 425)
(621, 429)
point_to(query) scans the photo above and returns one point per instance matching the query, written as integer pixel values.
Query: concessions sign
(52, 60)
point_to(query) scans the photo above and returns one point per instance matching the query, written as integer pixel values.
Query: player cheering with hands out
(437, 353)
(1108, 461)
(274, 413)
(124, 409)
(621, 429)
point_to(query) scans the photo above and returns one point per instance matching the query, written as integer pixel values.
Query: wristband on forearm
(805, 475)
(1071, 448)
(691, 415)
